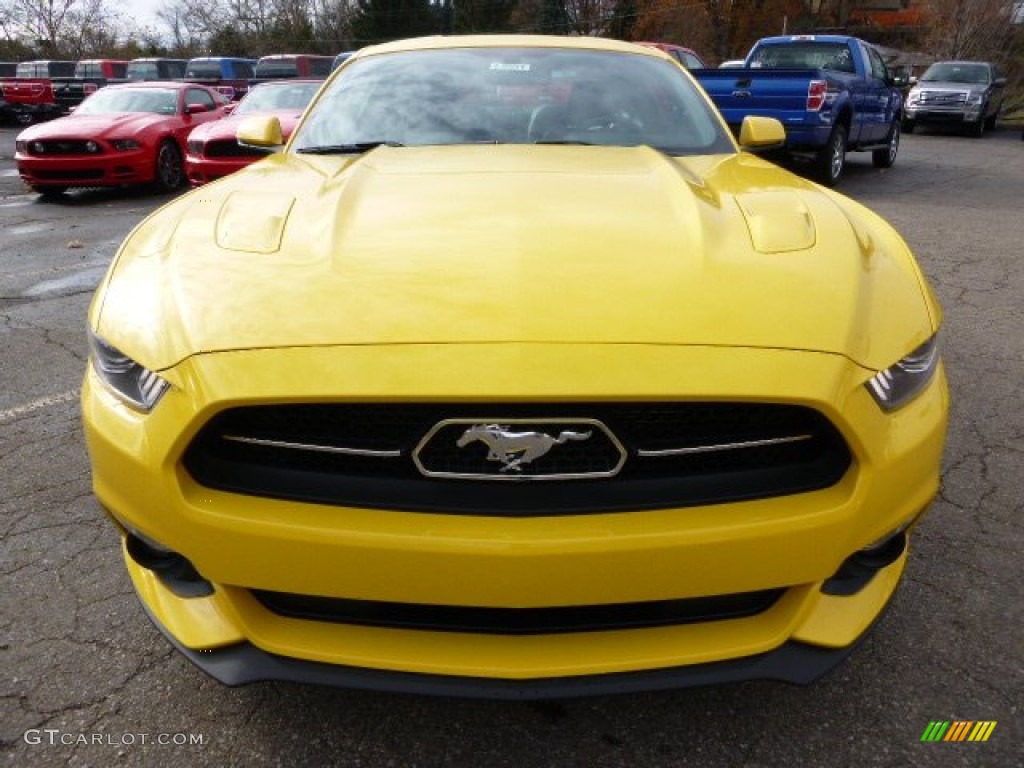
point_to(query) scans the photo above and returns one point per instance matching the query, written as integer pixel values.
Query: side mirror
(759, 134)
(195, 109)
(262, 133)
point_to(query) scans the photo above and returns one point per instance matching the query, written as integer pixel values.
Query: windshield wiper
(347, 149)
(566, 141)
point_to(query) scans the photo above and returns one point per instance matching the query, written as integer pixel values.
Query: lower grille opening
(84, 175)
(519, 621)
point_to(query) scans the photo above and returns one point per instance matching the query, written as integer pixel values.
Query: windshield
(203, 69)
(285, 68)
(833, 56)
(108, 100)
(513, 95)
(142, 70)
(267, 98)
(953, 72)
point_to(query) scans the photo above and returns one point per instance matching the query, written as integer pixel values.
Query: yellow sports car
(513, 374)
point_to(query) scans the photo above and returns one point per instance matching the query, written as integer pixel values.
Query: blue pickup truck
(832, 93)
(227, 74)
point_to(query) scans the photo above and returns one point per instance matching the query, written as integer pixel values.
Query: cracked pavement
(78, 655)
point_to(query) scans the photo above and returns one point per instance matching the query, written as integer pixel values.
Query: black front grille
(82, 175)
(366, 456)
(519, 621)
(64, 147)
(230, 148)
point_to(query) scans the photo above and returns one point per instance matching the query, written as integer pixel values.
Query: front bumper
(202, 170)
(242, 543)
(795, 661)
(944, 116)
(108, 169)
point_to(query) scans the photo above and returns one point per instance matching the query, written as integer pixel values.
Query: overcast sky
(143, 11)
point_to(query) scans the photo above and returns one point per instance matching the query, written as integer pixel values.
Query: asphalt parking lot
(85, 679)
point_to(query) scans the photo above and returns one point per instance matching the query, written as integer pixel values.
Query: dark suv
(960, 93)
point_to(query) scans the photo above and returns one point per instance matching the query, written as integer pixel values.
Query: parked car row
(158, 132)
(41, 90)
(832, 94)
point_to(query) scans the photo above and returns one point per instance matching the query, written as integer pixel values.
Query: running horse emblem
(514, 449)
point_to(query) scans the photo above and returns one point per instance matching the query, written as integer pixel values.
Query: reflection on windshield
(514, 95)
(162, 102)
(266, 98)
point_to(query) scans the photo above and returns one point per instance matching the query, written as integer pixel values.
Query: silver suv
(964, 93)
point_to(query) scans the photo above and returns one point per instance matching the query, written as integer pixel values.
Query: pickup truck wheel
(977, 129)
(170, 169)
(990, 124)
(884, 158)
(24, 118)
(830, 159)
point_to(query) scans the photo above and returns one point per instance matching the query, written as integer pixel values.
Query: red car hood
(118, 124)
(226, 128)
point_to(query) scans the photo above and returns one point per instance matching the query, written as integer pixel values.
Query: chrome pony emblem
(513, 449)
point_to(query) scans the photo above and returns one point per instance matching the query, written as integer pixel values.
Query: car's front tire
(977, 129)
(170, 167)
(885, 157)
(990, 124)
(831, 158)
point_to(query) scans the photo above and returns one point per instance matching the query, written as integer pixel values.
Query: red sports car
(212, 149)
(122, 134)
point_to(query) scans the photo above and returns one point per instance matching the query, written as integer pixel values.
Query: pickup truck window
(46, 69)
(878, 68)
(809, 55)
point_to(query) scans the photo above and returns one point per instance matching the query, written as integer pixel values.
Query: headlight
(125, 144)
(21, 146)
(913, 97)
(899, 384)
(975, 98)
(195, 147)
(139, 386)
(92, 146)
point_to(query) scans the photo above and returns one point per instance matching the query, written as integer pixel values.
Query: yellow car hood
(438, 245)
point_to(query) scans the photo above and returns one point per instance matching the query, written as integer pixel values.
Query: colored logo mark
(958, 730)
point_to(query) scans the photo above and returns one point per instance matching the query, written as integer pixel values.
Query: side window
(199, 96)
(878, 69)
(692, 62)
(244, 70)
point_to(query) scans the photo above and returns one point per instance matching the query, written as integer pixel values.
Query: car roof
(220, 58)
(289, 81)
(163, 84)
(274, 56)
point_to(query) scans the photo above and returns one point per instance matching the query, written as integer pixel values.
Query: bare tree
(970, 29)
